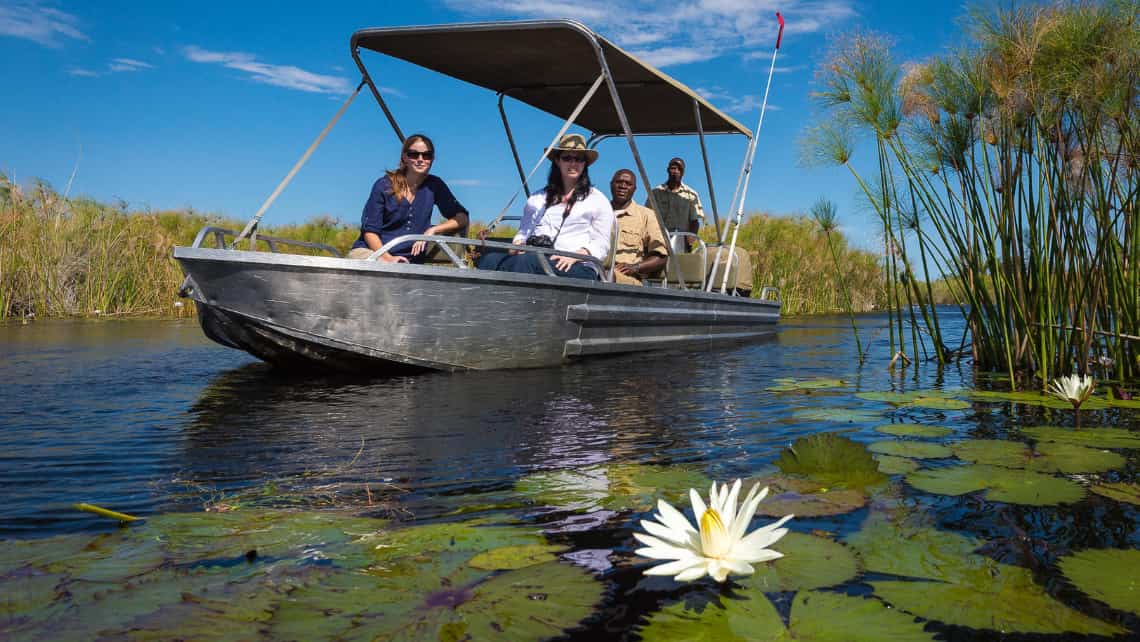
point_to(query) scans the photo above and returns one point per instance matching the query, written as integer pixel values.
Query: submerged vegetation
(1010, 167)
(69, 257)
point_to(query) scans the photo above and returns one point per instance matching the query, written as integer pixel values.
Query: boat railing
(219, 236)
(444, 243)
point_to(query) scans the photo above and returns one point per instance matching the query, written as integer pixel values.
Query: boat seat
(689, 266)
(436, 255)
(739, 270)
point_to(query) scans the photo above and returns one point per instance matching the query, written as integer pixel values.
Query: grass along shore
(76, 257)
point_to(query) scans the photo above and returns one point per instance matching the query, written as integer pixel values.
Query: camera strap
(565, 215)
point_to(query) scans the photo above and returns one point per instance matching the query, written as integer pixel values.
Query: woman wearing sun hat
(569, 211)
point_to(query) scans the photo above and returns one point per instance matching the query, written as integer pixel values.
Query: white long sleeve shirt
(590, 224)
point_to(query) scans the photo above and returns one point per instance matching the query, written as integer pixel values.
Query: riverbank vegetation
(1010, 167)
(76, 257)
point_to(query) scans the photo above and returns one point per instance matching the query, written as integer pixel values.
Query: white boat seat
(689, 268)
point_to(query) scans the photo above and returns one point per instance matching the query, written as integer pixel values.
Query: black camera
(541, 240)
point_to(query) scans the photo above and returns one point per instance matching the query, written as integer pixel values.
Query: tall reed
(1011, 166)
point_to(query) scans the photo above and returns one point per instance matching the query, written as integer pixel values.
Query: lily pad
(1049, 457)
(933, 399)
(1003, 484)
(914, 430)
(917, 551)
(1004, 599)
(837, 415)
(800, 385)
(815, 617)
(615, 487)
(1121, 492)
(911, 449)
(1117, 402)
(809, 562)
(1109, 575)
(1031, 398)
(896, 398)
(891, 465)
(831, 459)
(807, 498)
(939, 403)
(515, 557)
(1093, 437)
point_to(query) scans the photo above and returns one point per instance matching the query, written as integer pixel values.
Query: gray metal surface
(353, 314)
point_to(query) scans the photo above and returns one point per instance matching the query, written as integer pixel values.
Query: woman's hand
(420, 246)
(563, 263)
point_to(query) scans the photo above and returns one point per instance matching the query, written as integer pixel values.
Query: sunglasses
(414, 155)
(572, 158)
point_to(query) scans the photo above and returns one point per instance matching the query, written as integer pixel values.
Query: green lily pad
(515, 557)
(939, 403)
(832, 460)
(1116, 402)
(1049, 457)
(809, 562)
(1093, 437)
(615, 487)
(933, 399)
(896, 398)
(1008, 485)
(807, 498)
(1109, 575)
(800, 385)
(911, 449)
(1121, 492)
(837, 415)
(917, 551)
(533, 603)
(430, 539)
(815, 617)
(1004, 599)
(994, 452)
(914, 430)
(1031, 398)
(891, 465)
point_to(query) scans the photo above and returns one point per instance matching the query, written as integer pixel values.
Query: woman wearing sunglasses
(569, 215)
(401, 203)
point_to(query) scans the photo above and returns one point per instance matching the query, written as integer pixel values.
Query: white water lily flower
(1074, 388)
(718, 546)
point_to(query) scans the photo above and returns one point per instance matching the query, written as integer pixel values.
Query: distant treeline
(77, 257)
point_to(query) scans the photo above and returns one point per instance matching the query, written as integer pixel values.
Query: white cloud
(84, 73)
(466, 182)
(286, 76)
(44, 25)
(682, 31)
(128, 64)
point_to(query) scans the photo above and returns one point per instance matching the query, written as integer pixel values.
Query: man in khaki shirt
(641, 247)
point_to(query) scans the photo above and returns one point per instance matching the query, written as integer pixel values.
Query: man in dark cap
(680, 205)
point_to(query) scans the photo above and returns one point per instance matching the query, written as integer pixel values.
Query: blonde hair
(398, 176)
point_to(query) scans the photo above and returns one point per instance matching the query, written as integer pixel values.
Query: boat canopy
(550, 64)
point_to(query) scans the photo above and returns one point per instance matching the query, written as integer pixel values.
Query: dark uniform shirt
(389, 217)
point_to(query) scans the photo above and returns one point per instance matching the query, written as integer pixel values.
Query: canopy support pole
(251, 227)
(705, 156)
(376, 95)
(511, 140)
(557, 137)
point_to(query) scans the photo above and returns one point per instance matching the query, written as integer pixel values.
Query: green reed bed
(1010, 168)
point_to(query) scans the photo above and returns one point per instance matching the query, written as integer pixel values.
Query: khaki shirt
(639, 236)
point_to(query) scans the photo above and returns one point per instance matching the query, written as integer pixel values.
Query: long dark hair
(399, 176)
(554, 191)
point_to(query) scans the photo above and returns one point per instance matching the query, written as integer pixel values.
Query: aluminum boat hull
(345, 314)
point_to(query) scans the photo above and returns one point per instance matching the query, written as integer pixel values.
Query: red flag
(781, 34)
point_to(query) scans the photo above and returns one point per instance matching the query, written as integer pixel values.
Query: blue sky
(207, 105)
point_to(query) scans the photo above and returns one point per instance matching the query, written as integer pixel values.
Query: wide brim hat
(573, 143)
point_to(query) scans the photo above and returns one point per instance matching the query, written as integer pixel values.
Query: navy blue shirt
(389, 217)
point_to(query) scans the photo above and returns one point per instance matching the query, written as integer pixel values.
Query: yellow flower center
(714, 537)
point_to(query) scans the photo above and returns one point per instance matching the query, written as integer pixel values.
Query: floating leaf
(515, 557)
(615, 487)
(1030, 398)
(837, 415)
(1121, 492)
(809, 562)
(913, 430)
(1109, 575)
(1049, 457)
(807, 498)
(911, 449)
(1117, 402)
(1004, 484)
(815, 617)
(832, 460)
(898, 549)
(798, 385)
(933, 399)
(995, 452)
(1004, 599)
(1093, 437)
(896, 398)
(891, 465)
(939, 403)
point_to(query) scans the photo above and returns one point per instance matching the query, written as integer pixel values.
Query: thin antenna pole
(751, 156)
